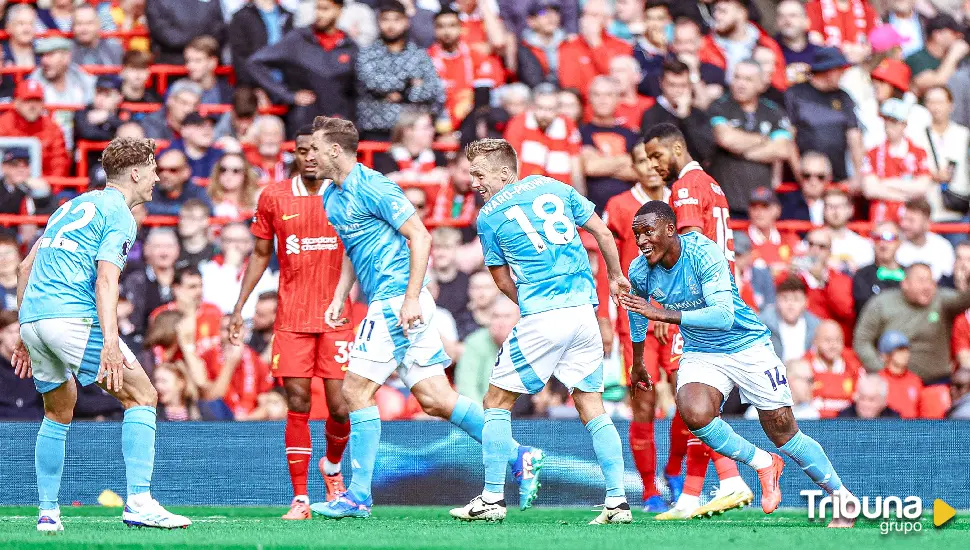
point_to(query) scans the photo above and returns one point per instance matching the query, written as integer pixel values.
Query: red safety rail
(84, 147)
(366, 149)
(124, 35)
(161, 73)
(7, 220)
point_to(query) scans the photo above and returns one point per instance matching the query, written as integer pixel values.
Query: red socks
(299, 448)
(644, 455)
(679, 434)
(338, 434)
(697, 460)
(726, 468)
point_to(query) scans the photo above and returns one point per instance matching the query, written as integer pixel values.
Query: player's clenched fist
(334, 315)
(411, 317)
(235, 328)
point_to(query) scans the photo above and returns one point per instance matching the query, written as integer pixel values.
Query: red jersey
(252, 377)
(548, 152)
(904, 392)
(663, 357)
(627, 115)
(698, 201)
(960, 340)
(309, 252)
(459, 71)
(207, 324)
(837, 27)
(834, 386)
(774, 250)
(904, 161)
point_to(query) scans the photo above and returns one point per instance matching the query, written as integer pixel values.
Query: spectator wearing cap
(920, 245)
(134, 79)
(946, 143)
(18, 50)
(166, 123)
(201, 60)
(842, 24)
(835, 369)
(460, 68)
(89, 49)
(870, 400)
(100, 120)
(174, 188)
(960, 395)
(27, 119)
(890, 79)
(734, 39)
(538, 51)
(651, 47)
(676, 106)
(236, 121)
(798, 51)
(19, 192)
(823, 116)
(904, 386)
(394, 74)
(756, 285)
(172, 24)
(849, 249)
(807, 203)
(828, 290)
(197, 143)
(753, 137)
(589, 53)
(792, 325)
(607, 165)
(255, 25)
(318, 64)
(896, 170)
(908, 22)
(64, 82)
(884, 273)
(547, 143)
(920, 310)
(943, 50)
(771, 248)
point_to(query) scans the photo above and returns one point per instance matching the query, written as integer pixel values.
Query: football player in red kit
(304, 345)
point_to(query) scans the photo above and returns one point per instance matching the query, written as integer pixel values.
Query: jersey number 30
(87, 211)
(555, 234)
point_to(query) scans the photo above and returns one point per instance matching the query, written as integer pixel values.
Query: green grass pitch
(90, 527)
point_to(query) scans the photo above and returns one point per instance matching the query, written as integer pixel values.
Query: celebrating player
(304, 345)
(67, 294)
(529, 227)
(725, 346)
(700, 205)
(376, 223)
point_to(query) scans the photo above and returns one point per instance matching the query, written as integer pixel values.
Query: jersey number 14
(87, 211)
(552, 231)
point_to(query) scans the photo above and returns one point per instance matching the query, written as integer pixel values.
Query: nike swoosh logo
(289, 217)
(476, 513)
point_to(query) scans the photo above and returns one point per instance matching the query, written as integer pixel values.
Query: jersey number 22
(554, 233)
(87, 211)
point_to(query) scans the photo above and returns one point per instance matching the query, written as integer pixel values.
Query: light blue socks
(138, 448)
(719, 436)
(468, 416)
(609, 452)
(365, 437)
(498, 448)
(807, 453)
(49, 461)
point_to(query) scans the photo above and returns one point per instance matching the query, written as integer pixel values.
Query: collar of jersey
(692, 165)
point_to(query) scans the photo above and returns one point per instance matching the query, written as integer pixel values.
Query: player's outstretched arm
(604, 238)
(419, 241)
(106, 299)
(254, 271)
(502, 276)
(334, 315)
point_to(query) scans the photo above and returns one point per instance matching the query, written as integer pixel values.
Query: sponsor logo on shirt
(296, 245)
(689, 200)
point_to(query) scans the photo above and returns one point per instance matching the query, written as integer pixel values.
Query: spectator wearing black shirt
(19, 399)
(823, 116)
(150, 285)
(264, 318)
(675, 106)
(318, 64)
(201, 60)
(257, 24)
(172, 24)
(753, 138)
(453, 284)
(100, 120)
(134, 79)
(193, 232)
(607, 164)
(792, 23)
(19, 192)
(885, 273)
(10, 258)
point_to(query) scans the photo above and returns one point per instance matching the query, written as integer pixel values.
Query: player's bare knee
(589, 405)
(338, 411)
(497, 398)
(644, 404)
(779, 425)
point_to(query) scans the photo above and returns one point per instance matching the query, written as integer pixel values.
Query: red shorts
(311, 354)
(666, 356)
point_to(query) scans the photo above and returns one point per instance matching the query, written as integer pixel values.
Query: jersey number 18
(553, 232)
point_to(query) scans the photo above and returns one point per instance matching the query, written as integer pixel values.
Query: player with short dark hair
(726, 346)
(304, 345)
(67, 292)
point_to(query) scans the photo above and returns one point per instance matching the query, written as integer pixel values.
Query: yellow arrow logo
(942, 512)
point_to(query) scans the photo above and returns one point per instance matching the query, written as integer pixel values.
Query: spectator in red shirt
(632, 105)
(771, 248)
(829, 291)
(263, 145)
(411, 160)
(237, 375)
(735, 38)
(904, 386)
(456, 200)
(835, 369)
(844, 24)
(27, 119)
(187, 293)
(589, 54)
(896, 170)
(546, 142)
(482, 27)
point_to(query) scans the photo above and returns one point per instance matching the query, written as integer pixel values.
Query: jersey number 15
(87, 211)
(554, 233)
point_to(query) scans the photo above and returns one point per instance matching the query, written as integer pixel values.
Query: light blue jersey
(96, 226)
(690, 285)
(531, 226)
(367, 211)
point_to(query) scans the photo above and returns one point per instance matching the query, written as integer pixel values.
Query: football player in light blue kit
(528, 230)
(387, 250)
(67, 292)
(725, 346)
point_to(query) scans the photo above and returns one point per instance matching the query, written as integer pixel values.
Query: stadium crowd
(840, 139)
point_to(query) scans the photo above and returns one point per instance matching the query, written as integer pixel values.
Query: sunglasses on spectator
(887, 236)
(820, 244)
(813, 175)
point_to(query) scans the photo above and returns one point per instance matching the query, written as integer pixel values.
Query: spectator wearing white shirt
(920, 245)
(792, 326)
(850, 251)
(222, 276)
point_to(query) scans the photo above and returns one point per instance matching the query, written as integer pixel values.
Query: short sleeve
(686, 203)
(848, 107)
(717, 114)
(262, 227)
(116, 238)
(781, 126)
(581, 207)
(387, 201)
(491, 249)
(868, 161)
(712, 268)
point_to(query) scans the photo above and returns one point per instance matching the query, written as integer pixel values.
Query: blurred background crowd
(838, 130)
